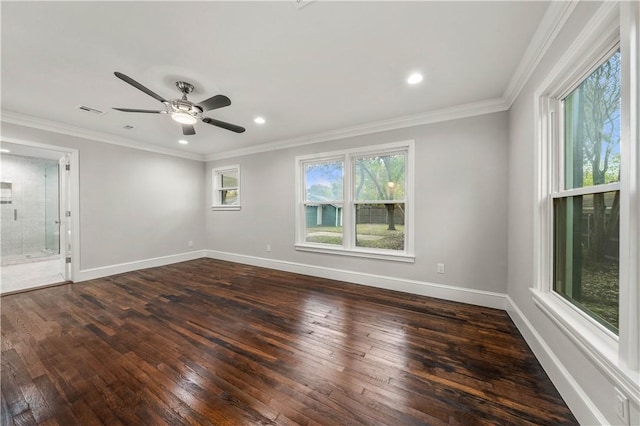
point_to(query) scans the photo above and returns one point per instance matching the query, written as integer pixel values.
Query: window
(226, 188)
(356, 202)
(586, 238)
(586, 205)
(323, 201)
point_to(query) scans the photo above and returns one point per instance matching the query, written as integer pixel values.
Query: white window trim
(216, 202)
(349, 249)
(616, 356)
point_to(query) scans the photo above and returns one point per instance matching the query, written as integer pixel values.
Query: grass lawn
(600, 290)
(373, 235)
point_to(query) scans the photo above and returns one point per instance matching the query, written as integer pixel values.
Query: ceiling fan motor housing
(184, 106)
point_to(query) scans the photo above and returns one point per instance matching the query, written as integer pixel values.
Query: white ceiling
(307, 71)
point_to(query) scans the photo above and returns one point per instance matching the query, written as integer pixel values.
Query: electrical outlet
(440, 268)
(622, 407)
(190, 243)
(268, 247)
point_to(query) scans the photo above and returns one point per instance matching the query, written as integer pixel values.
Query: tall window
(379, 200)
(586, 204)
(323, 201)
(356, 202)
(586, 239)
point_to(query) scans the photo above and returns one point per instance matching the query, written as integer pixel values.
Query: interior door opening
(34, 227)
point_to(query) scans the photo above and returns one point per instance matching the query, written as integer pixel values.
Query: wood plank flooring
(216, 343)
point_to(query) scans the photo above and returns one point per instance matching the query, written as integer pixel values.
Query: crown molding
(552, 22)
(446, 114)
(65, 129)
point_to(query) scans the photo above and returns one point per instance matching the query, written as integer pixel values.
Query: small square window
(226, 188)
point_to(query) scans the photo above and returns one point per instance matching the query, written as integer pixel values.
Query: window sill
(598, 344)
(225, 207)
(396, 257)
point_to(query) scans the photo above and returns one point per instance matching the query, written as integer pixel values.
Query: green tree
(319, 191)
(600, 134)
(381, 178)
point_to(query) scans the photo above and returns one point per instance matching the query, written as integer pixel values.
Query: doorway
(34, 185)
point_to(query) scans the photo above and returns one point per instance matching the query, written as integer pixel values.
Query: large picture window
(356, 202)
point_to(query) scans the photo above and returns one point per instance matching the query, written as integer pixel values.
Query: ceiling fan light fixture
(183, 118)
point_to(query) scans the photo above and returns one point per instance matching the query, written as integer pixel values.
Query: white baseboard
(440, 291)
(578, 401)
(104, 271)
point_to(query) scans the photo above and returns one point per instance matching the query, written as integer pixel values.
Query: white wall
(460, 207)
(587, 391)
(134, 205)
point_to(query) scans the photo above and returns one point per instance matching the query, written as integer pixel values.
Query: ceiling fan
(183, 110)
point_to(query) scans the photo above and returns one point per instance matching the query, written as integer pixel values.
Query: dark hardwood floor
(212, 342)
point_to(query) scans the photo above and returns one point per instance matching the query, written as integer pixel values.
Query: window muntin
(586, 210)
(355, 202)
(226, 188)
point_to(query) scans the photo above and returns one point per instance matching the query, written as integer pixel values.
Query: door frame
(70, 238)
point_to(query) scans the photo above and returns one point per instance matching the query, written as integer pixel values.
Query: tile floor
(17, 277)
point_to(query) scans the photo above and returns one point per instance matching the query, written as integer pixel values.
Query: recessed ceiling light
(183, 142)
(414, 78)
(259, 120)
(4, 150)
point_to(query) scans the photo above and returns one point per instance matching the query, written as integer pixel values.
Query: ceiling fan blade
(149, 111)
(188, 129)
(139, 86)
(214, 102)
(227, 126)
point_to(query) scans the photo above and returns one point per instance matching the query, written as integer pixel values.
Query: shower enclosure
(29, 203)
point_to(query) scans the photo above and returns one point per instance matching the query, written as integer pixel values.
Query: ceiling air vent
(302, 3)
(89, 109)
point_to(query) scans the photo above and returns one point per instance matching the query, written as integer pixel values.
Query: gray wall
(134, 204)
(460, 205)
(520, 230)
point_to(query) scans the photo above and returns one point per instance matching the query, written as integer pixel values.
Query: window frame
(558, 188)
(217, 188)
(617, 356)
(348, 247)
